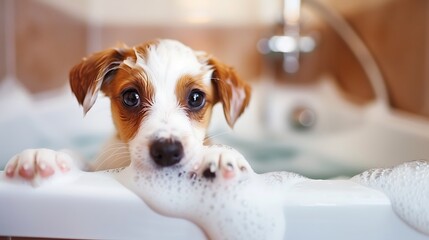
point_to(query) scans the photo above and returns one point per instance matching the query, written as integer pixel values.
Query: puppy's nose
(166, 152)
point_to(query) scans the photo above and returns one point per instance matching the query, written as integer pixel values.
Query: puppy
(162, 94)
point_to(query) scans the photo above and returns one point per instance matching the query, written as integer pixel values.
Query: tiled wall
(235, 46)
(397, 34)
(48, 43)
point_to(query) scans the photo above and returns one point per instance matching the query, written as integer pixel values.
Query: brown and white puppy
(162, 94)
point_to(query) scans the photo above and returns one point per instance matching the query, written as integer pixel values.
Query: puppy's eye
(196, 100)
(131, 98)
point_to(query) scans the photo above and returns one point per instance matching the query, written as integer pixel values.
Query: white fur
(164, 64)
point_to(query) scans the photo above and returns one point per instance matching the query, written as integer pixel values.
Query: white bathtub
(95, 206)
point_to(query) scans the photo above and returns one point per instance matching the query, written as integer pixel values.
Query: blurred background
(339, 86)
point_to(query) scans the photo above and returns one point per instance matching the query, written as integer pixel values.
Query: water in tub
(50, 120)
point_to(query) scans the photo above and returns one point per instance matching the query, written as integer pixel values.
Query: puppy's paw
(222, 161)
(38, 165)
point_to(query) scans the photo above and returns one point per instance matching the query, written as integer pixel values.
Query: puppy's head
(162, 94)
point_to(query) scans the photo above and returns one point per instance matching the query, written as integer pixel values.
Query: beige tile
(235, 46)
(395, 32)
(2, 40)
(48, 44)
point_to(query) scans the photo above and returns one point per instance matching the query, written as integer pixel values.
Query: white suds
(407, 186)
(250, 207)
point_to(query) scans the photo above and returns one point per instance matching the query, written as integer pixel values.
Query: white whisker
(110, 151)
(113, 152)
(210, 137)
(112, 159)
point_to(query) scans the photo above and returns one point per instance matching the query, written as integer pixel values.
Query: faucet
(291, 43)
(291, 35)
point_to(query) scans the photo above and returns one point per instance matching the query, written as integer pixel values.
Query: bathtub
(96, 206)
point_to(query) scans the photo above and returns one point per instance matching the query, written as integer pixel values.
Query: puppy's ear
(87, 77)
(232, 92)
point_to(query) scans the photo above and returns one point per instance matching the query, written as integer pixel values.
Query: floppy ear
(87, 77)
(232, 92)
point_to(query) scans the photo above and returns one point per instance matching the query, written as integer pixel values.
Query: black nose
(166, 152)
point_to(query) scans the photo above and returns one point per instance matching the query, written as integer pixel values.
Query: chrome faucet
(291, 43)
(291, 35)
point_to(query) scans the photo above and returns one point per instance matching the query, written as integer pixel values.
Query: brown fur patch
(184, 86)
(128, 119)
(226, 80)
(83, 76)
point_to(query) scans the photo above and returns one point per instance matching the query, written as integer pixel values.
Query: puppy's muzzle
(166, 152)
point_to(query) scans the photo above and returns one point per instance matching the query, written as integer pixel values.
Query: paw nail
(9, 171)
(62, 165)
(196, 166)
(209, 174)
(192, 175)
(229, 166)
(26, 172)
(212, 167)
(26, 166)
(45, 170)
(42, 166)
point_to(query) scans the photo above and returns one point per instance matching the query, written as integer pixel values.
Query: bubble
(407, 186)
(251, 206)
(221, 207)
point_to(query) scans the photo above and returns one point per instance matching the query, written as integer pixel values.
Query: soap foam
(247, 207)
(407, 186)
(251, 206)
